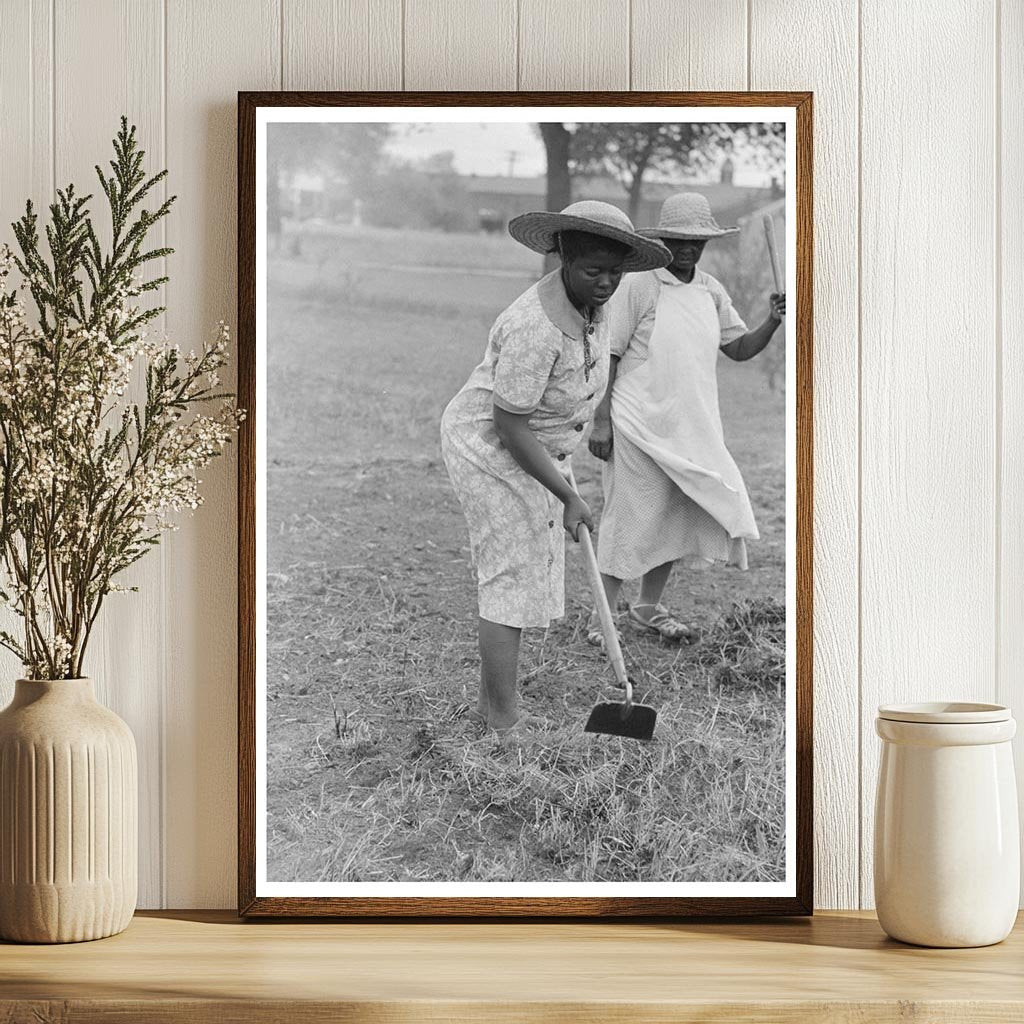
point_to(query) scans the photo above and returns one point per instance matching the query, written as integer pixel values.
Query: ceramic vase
(68, 815)
(947, 846)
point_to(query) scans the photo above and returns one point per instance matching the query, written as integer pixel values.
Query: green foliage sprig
(89, 478)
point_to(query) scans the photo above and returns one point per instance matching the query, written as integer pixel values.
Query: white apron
(668, 408)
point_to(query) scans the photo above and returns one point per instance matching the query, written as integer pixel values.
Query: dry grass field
(375, 772)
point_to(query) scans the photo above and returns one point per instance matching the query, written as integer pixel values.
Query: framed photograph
(525, 504)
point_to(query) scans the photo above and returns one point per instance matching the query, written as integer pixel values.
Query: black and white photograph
(525, 514)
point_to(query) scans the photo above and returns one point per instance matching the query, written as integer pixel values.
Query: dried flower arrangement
(89, 478)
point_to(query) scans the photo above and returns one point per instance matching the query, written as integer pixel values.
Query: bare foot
(502, 724)
(522, 728)
(470, 716)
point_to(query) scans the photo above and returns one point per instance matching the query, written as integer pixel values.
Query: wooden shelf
(203, 967)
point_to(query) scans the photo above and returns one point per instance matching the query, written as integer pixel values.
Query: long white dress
(672, 490)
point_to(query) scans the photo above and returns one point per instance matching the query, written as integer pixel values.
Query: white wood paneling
(697, 44)
(574, 44)
(125, 662)
(928, 350)
(937, 469)
(213, 51)
(342, 44)
(26, 131)
(26, 108)
(830, 70)
(459, 44)
(1010, 281)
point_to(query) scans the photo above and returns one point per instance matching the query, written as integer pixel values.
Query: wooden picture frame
(798, 900)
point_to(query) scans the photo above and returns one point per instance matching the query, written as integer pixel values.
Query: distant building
(496, 199)
(310, 194)
(303, 194)
(491, 201)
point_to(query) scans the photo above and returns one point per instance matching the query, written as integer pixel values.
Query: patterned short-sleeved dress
(672, 490)
(544, 359)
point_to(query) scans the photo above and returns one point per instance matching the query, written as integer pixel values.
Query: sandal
(662, 622)
(595, 634)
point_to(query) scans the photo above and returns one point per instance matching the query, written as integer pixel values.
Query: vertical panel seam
(402, 41)
(162, 694)
(519, 36)
(53, 99)
(750, 17)
(860, 459)
(997, 168)
(280, 40)
(519, 27)
(689, 47)
(629, 45)
(30, 74)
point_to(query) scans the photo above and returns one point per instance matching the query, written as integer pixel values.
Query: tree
(628, 152)
(557, 141)
(429, 194)
(341, 152)
(762, 144)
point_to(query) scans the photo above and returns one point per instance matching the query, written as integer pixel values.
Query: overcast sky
(479, 148)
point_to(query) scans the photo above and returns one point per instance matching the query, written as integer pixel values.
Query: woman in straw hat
(507, 435)
(673, 493)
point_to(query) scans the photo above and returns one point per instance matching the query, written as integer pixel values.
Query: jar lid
(945, 713)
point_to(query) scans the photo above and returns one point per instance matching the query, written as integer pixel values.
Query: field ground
(375, 773)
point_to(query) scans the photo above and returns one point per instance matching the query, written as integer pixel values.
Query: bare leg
(652, 586)
(612, 586)
(499, 661)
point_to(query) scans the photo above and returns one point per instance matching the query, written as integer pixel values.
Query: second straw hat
(687, 215)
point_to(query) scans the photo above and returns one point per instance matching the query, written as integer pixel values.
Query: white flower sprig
(88, 478)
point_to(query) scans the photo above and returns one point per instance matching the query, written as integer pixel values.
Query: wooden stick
(611, 636)
(773, 253)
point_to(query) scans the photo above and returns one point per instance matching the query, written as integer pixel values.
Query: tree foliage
(350, 153)
(633, 152)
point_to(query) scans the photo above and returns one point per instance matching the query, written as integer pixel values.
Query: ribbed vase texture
(68, 815)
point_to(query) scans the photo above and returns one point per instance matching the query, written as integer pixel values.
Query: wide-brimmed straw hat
(686, 215)
(537, 231)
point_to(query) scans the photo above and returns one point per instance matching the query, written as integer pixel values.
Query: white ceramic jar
(68, 815)
(947, 846)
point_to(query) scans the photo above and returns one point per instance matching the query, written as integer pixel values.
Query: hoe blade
(636, 722)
